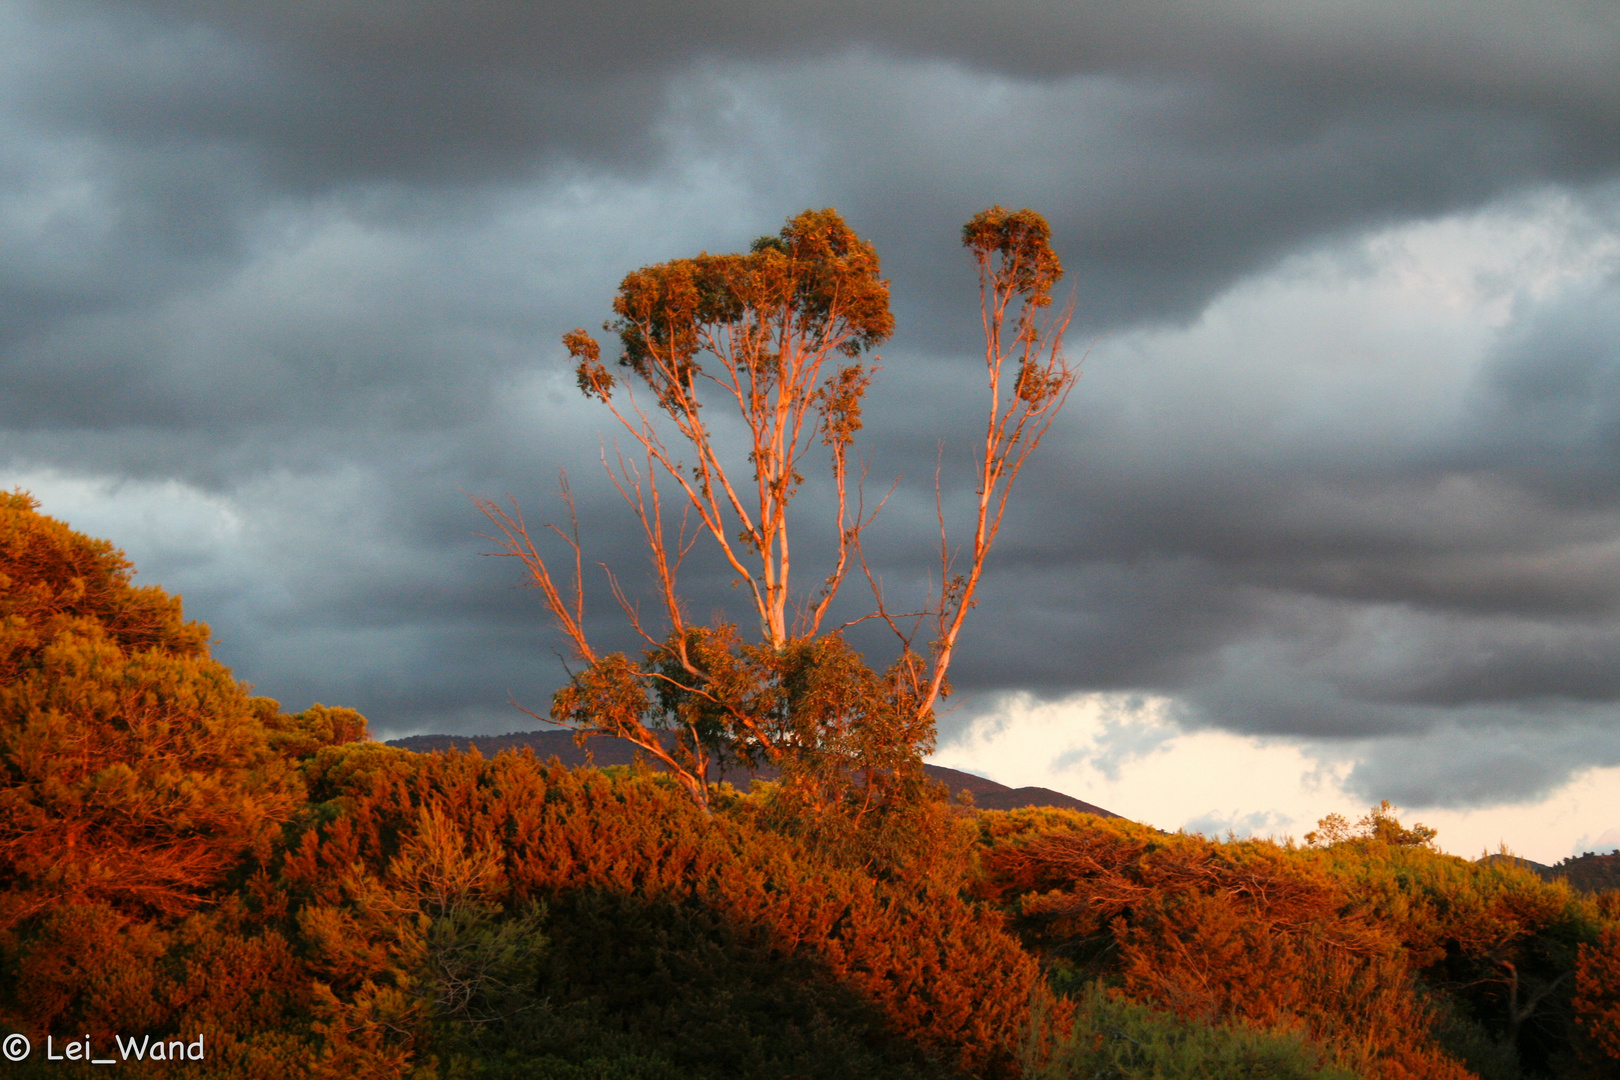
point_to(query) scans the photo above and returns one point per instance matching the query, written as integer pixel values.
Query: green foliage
(679, 983)
(1116, 1038)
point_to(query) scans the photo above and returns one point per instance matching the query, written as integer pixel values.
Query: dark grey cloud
(309, 262)
(1450, 572)
(1516, 759)
(1561, 54)
(1174, 147)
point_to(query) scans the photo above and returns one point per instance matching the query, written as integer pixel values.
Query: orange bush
(1597, 992)
(943, 972)
(222, 974)
(1215, 932)
(136, 770)
(1494, 938)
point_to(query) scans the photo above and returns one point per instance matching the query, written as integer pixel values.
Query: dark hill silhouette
(987, 794)
(1589, 873)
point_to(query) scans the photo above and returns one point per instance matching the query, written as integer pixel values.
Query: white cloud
(1127, 753)
(1606, 842)
(170, 530)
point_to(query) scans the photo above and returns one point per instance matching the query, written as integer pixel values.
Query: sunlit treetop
(50, 574)
(814, 287)
(1021, 241)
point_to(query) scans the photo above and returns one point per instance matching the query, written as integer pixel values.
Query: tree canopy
(774, 339)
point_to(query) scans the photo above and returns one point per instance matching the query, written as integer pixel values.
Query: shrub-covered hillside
(1405, 962)
(181, 860)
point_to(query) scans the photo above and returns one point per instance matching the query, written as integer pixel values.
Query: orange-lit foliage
(1597, 993)
(944, 974)
(914, 837)
(139, 783)
(1499, 942)
(134, 770)
(222, 973)
(1215, 932)
(177, 857)
(1379, 823)
(760, 333)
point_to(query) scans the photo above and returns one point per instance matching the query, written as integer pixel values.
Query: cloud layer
(281, 285)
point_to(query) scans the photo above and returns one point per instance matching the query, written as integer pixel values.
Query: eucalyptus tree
(778, 339)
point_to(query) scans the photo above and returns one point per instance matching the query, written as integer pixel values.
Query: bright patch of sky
(1128, 754)
(1293, 348)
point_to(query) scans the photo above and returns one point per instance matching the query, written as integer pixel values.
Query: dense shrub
(1590, 871)
(939, 972)
(140, 787)
(1492, 938)
(1597, 998)
(134, 770)
(1401, 960)
(180, 858)
(1115, 1038)
(1243, 931)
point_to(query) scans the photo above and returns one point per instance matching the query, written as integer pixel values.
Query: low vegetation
(182, 860)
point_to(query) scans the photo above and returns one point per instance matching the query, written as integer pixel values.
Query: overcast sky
(1333, 515)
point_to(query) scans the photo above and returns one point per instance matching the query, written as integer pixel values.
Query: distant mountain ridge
(1590, 872)
(987, 794)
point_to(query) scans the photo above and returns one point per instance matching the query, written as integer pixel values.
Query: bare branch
(514, 542)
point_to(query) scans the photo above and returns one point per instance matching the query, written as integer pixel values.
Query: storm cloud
(281, 285)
